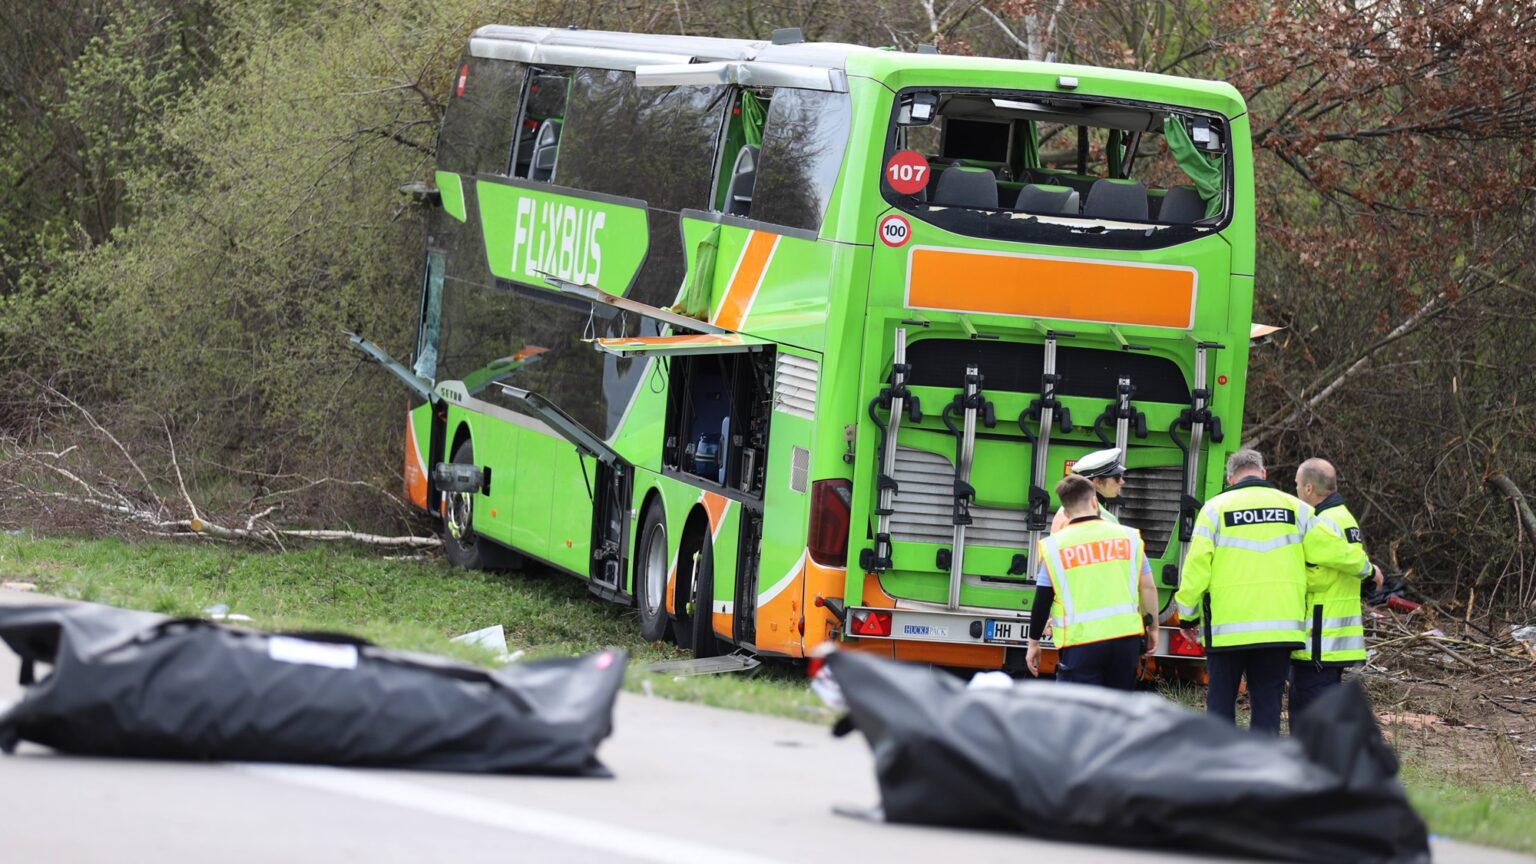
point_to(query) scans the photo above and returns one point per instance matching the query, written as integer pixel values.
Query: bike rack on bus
(971, 403)
(1123, 413)
(896, 399)
(1195, 418)
(1043, 412)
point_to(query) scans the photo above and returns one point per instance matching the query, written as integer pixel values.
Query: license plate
(1007, 631)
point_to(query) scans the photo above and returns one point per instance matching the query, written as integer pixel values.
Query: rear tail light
(459, 82)
(868, 622)
(831, 503)
(1182, 646)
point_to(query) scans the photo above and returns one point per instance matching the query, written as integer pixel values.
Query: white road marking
(560, 827)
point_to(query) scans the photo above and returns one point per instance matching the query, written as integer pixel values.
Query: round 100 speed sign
(895, 231)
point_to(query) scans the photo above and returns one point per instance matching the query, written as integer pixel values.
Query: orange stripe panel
(721, 622)
(1051, 288)
(778, 620)
(749, 273)
(415, 478)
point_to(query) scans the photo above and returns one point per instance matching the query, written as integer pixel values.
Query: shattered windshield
(1060, 169)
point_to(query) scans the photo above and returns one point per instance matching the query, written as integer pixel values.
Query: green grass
(409, 604)
(420, 604)
(1493, 814)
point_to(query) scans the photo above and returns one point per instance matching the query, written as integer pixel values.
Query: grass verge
(413, 604)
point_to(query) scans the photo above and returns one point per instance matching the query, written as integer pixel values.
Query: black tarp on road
(1075, 762)
(135, 684)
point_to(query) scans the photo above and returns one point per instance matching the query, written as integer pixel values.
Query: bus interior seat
(546, 149)
(738, 200)
(961, 186)
(711, 408)
(1181, 205)
(1117, 199)
(1040, 198)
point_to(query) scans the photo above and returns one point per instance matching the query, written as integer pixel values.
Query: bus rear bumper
(986, 633)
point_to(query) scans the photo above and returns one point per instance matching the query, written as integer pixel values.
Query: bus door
(717, 434)
(609, 487)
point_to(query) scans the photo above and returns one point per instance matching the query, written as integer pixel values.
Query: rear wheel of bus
(461, 544)
(651, 579)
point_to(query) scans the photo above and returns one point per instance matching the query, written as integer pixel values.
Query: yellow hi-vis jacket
(1095, 569)
(1245, 569)
(1336, 562)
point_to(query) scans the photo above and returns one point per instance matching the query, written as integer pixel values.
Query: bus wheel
(651, 580)
(705, 644)
(461, 544)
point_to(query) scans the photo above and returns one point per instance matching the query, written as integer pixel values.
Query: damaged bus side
(785, 342)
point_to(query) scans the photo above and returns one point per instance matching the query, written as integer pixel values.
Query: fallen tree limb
(1527, 518)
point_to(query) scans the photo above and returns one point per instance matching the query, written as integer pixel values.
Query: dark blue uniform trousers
(1110, 663)
(1266, 670)
(1309, 682)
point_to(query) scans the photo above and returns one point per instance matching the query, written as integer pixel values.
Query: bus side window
(540, 126)
(650, 143)
(804, 138)
(477, 127)
(431, 319)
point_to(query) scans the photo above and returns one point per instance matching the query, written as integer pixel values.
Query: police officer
(1107, 473)
(1335, 627)
(1095, 580)
(1244, 584)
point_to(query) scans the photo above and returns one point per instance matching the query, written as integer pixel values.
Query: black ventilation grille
(1016, 367)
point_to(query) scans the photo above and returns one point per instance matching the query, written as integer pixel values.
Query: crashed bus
(785, 342)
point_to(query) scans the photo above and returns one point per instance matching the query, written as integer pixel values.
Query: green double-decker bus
(785, 342)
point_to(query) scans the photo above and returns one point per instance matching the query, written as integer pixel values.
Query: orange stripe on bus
(749, 274)
(715, 506)
(1051, 288)
(415, 477)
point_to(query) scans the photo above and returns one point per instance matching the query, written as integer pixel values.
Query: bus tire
(462, 546)
(651, 571)
(705, 644)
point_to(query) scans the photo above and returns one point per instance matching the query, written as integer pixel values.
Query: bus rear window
(1073, 170)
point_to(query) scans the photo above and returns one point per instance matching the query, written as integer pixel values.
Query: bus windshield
(1049, 168)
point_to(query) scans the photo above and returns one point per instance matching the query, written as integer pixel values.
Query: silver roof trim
(746, 73)
(568, 55)
(610, 50)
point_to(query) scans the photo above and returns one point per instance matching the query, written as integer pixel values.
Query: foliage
(204, 196)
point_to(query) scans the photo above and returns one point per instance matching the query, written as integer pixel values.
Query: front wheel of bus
(651, 580)
(463, 547)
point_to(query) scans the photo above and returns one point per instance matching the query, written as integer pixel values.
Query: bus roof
(610, 50)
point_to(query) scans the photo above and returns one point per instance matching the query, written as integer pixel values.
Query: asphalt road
(693, 785)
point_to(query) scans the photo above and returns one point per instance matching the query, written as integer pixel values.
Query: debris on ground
(220, 612)
(737, 662)
(492, 639)
(17, 586)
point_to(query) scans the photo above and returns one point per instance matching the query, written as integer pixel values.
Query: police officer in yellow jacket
(1096, 582)
(1244, 584)
(1335, 626)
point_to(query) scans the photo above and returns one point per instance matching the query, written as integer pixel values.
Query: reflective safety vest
(1061, 521)
(1095, 569)
(1336, 562)
(1245, 572)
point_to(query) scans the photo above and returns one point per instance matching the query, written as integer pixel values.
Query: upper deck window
(1069, 170)
(478, 126)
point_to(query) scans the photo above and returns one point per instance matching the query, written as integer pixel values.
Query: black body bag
(1075, 762)
(135, 684)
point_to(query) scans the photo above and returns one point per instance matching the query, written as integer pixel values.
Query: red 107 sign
(907, 172)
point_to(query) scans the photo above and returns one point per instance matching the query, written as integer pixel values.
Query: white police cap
(1100, 463)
